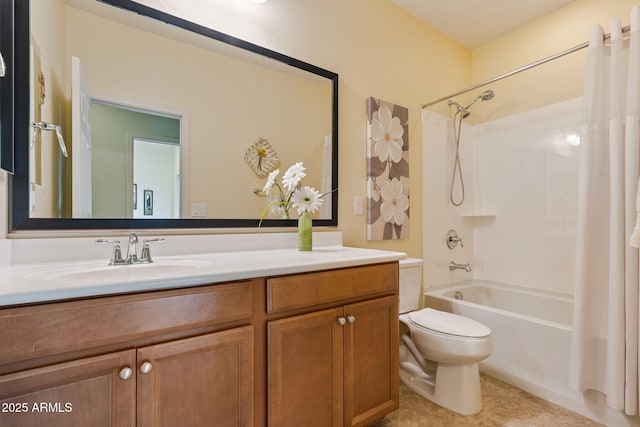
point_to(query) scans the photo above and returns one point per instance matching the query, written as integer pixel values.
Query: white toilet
(439, 353)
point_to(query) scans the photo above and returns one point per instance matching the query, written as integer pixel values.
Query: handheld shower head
(460, 109)
(464, 111)
(485, 96)
(488, 95)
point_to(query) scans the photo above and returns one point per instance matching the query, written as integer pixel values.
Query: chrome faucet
(116, 255)
(132, 251)
(455, 266)
(145, 254)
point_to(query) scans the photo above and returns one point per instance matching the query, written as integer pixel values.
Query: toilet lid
(449, 323)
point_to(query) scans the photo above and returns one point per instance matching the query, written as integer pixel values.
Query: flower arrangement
(290, 193)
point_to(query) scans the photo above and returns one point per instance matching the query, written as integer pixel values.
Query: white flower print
(387, 132)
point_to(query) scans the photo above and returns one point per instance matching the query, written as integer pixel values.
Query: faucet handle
(116, 255)
(145, 255)
(453, 239)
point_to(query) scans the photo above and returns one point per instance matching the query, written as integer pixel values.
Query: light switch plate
(198, 209)
(358, 205)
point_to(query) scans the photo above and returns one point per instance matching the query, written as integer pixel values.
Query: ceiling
(476, 22)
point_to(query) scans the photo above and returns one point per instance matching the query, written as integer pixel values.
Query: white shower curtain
(604, 347)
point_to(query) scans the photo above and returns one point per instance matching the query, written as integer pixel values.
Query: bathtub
(531, 332)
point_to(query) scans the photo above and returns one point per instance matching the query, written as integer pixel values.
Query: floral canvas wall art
(387, 170)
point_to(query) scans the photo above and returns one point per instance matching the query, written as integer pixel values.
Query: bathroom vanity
(208, 334)
(311, 342)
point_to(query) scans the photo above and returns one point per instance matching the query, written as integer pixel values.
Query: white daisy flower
(293, 176)
(270, 181)
(278, 208)
(387, 133)
(394, 202)
(306, 199)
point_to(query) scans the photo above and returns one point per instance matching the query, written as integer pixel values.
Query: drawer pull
(125, 373)
(342, 321)
(351, 318)
(146, 367)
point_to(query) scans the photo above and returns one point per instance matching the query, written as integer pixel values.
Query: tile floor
(503, 405)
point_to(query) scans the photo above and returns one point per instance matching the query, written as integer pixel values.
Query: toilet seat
(448, 323)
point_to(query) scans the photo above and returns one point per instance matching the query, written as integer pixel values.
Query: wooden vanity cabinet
(83, 392)
(165, 370)
(200, 381)
(186, 382)
(313, 349)
(335, 366)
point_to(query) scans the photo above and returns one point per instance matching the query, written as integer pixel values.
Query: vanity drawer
(309, 289)
(46, 329)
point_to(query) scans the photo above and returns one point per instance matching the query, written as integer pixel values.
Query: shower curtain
(604, 348)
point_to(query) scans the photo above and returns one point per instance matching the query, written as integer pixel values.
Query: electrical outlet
(198, 209)
(358, 205)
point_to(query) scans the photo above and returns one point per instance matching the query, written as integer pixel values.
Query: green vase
(305, 232)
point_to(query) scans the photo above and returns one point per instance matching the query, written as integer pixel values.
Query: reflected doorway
(156, 179)
(115, 128)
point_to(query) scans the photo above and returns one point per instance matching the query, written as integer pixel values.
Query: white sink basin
(92, 271)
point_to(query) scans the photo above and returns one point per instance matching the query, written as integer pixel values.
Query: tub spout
(455, 266)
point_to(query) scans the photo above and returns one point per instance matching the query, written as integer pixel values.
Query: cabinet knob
(146, 367)
(125, 373)
(342, 321)
(351, 318)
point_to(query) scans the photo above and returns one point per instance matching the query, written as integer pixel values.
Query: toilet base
(457, 387)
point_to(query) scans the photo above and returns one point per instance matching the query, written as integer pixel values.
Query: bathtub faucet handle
(453, 239)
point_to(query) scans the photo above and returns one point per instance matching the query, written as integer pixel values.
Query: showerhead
(459, 109)
(485, 96)
(464, 111)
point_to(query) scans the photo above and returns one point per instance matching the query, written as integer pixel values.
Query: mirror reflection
(161, 122)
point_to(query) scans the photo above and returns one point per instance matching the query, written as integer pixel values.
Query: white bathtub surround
(532, 153)
(604, 351)
(439, 215)
(526, 171)
(531, 334)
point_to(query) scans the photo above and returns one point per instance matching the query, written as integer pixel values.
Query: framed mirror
(163, 126)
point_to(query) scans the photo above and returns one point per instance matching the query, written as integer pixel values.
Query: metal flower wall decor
(387, 170)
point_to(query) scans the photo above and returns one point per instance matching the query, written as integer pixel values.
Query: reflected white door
(156, 179)
(81, 143)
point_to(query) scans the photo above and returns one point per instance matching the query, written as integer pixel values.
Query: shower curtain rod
(625, 31)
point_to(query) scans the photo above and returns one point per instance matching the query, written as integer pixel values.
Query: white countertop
(50, 281)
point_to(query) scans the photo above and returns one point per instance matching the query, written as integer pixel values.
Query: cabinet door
(305, 386)
(201, 381)
(371, 360)
(85, 392)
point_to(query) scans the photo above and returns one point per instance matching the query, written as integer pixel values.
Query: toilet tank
(410, 284)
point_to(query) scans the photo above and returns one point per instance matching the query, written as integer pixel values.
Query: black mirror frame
(14, 125)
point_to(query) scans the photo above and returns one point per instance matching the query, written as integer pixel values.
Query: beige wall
(380, 50)
(377, 49)
(130, 66)
(555, 81)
